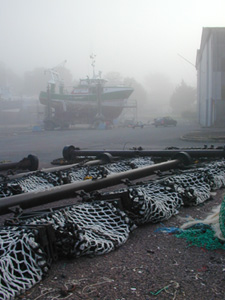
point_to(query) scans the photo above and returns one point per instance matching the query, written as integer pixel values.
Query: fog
(133, 37)
(151, 43)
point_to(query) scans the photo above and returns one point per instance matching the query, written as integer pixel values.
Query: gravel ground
(150, 265)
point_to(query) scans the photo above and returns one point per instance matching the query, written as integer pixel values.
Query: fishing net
(87, 228)
(195, 186)
(40, 181)
(215, 174)
(149, 202)
(208, 233)
(97, 226)
(222, 218)
(192, 187)
(201, 235)
(22, 261)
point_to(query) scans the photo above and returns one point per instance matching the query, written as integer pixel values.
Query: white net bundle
(150, 202)
(215, 173)
(192, 187)
(87, 228)
(22, 261)
(195, 186)
(37, 181)
(95, 227)
(40, 181)
(153, 203)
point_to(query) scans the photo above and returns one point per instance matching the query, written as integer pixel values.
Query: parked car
(165, 121)
(132, 124)
(127, 123)
(138, 124)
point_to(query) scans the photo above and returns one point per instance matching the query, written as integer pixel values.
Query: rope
(222, 218)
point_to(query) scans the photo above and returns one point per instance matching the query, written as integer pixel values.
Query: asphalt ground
(206, 135)
(148, 261)
(18, 142)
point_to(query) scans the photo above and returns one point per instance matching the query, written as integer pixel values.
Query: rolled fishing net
(153, 203)
(215, 174)
(40, 181)
(150, 202)
(97, 225)
(87, 228)
(193, 187)
(22, 261)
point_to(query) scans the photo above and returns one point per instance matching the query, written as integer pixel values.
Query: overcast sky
(133, 37)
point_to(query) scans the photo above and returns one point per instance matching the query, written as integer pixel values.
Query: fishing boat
(90, 102)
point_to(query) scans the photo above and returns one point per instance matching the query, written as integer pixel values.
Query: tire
(49, 125)
(65, 126)
(96, 123)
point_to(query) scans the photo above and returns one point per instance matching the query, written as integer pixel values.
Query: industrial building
(210, 65)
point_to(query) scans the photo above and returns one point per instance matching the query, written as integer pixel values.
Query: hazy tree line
(156, 96)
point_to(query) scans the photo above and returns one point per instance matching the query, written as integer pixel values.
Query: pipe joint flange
(34, 162)
(68, 152)
(184, 158)
(105, 157)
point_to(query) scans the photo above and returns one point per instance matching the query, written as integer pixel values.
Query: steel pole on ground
(102, 159)
(70, 152)
(32, 199)
(28, 163)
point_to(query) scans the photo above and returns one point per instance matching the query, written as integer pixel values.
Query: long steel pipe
(70, 152)
(27, 163)
(102, 159)
(32, 199)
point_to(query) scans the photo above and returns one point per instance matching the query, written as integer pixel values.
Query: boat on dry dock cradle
(90, 102)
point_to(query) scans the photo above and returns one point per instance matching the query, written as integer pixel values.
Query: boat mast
(92, 56)
(55, 77)
(99, 116)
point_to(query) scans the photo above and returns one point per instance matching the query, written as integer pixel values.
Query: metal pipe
(28, 163)
(70, 152)
(103, 159)
(61, 192)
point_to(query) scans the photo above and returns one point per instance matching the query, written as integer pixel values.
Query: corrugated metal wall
(211, 78)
